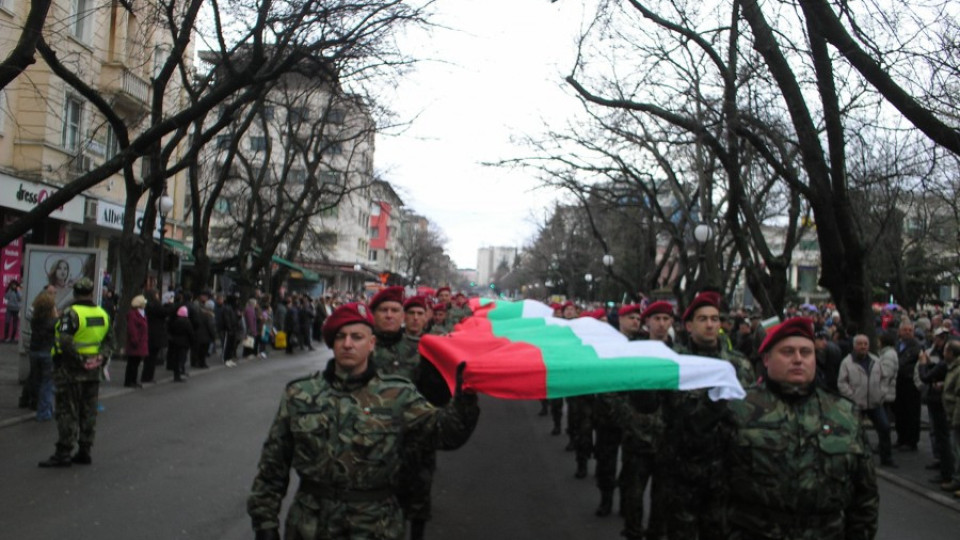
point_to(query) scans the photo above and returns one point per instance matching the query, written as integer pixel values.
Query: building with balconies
(50, 134)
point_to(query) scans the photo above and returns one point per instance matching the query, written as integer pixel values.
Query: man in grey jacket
(863, 381)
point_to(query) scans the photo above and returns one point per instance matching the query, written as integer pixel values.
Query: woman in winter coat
(252, 324)
(137, 340)
(43, 323)
(181, 340)
(157, 316)
(204, 336)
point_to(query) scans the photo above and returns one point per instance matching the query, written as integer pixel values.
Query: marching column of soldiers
(788, 462)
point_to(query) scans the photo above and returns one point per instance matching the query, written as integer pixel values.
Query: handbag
(249, 342)
(280, 341)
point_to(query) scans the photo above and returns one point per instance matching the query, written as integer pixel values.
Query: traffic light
(473, 283)
(492, 286)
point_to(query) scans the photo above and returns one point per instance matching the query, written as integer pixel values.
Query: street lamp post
(165, 204)
(589, 279)
(702, 233)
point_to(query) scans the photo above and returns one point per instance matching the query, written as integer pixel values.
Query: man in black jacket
(906, 409)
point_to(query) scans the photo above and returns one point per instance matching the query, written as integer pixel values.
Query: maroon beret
(796, 326)
(556, 306)
(628, 309)
(593, 313)
(459, 295)
(415, 301)
(441, 289)
(706, 298)
(439, 306)
(351, 313)
(660, 306)
(568, 303)
(390, 294)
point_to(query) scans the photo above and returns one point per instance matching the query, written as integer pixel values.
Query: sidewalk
(10, 388)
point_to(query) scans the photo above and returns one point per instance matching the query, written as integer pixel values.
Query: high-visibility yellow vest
(94, 325)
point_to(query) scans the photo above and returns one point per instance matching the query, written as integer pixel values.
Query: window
(374, 232)
(159, 58)
(807, 279)
(298, 114)
(336, 116)
(222, 205)
(297, 176)
(113, 145)
(330, 178)
(82, 20)
(372, 256)
(332, 147)
(332, 212)
(258, 143)
(375, 209)
(72, 120)
(223, 142)
(267, 112)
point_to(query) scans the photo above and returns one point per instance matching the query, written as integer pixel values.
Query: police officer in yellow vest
(80, 353)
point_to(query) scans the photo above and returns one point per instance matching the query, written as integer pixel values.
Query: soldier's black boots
(581, 469)
(556, 428)
(56, 461)
(606, 504)
(82, 457)
(417, 528)
(543, 408)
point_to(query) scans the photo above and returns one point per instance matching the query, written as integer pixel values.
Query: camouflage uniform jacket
(346, 436)
(799, 467)
(401, 357)
(457, 314)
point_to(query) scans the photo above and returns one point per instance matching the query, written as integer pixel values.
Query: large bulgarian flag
(518, 350)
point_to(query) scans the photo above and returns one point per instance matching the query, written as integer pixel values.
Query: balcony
(130, 92)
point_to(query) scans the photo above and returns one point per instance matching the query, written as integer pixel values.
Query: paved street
(176, 461)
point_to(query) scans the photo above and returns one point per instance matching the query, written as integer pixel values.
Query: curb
(938, 497)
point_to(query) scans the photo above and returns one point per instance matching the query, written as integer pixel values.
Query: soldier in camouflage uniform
(693, 434)
(458, 310)
(798, 464)
(394, 354)
(83, 346)
(343, 432)
(638, 414)
(439, 326)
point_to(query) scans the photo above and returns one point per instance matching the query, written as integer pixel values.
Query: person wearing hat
(82, 347)
(797, 463)
(392, 352)
(348, 480)
(692, 442)
(459, 309)
(438, 324)
(181, 341)
(638, 414)
(419, 464)
(137, 348)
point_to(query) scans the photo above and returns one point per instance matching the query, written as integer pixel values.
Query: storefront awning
(298, 272)
(185, 251)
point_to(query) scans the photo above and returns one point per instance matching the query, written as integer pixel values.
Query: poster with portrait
(60, 268)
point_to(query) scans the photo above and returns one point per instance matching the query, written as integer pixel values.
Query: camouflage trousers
(691, 510)
(76, 414)
(580, 425)
(328, 519)
(638, 470)
(416, 481)
(605, 451)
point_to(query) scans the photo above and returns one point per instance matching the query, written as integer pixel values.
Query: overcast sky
(495, 74)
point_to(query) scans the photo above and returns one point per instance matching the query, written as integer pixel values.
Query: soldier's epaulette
(304, 378)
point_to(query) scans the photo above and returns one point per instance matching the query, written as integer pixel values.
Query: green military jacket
(68, 360)
(347, 435)
(457, 314)
(401, 357)
(799, 467)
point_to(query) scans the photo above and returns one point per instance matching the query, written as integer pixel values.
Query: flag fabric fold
(517, 350)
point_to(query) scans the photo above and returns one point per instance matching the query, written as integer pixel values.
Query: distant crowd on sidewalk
(180, 332)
